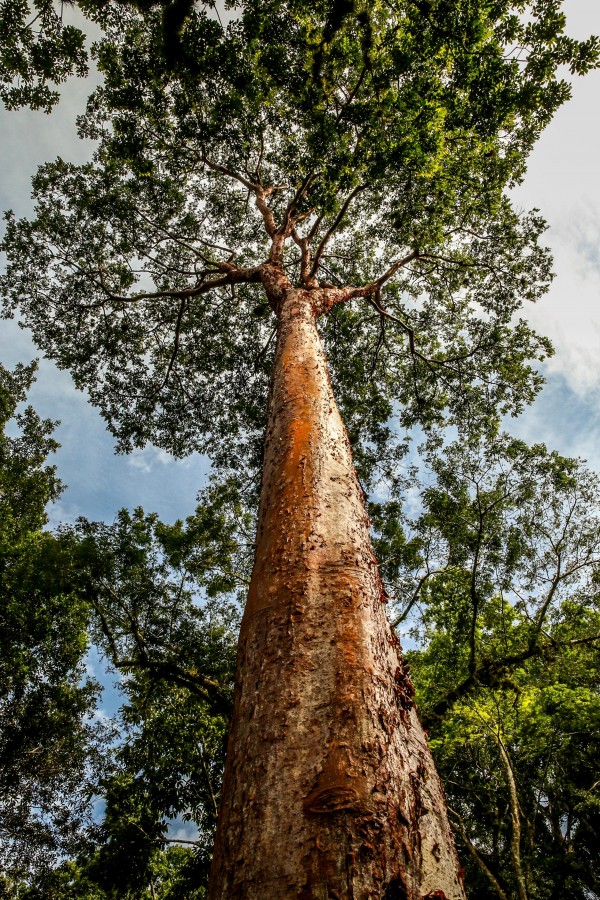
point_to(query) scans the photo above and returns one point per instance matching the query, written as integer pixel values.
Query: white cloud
(149, 458)
(570, 314)
(178, 830)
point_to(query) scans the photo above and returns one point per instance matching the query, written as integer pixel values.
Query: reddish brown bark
(330, 789)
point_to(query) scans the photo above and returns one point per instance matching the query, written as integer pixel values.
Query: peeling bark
(330, 790)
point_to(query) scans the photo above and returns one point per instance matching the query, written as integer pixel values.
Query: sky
(563, 181)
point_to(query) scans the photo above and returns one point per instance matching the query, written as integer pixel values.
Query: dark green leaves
(391, 131)
(38, 50)
(498, 580)
(49, 745)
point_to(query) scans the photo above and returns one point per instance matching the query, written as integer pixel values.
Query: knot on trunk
(337, 788)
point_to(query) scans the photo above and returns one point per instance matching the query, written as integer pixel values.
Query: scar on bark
(336, 789)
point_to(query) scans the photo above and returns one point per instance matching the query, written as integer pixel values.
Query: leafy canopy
(366, 149)
(89, 792)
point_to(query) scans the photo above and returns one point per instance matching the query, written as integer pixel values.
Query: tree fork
(330, 790)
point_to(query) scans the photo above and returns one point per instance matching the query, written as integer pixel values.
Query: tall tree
(332, 176)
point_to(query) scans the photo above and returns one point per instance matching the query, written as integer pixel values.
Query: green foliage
(164, 618)
(549, 721)
(37, 50)
(401, 148)
(170, 879)
(156, 592)
(158, 601)
(48, 746)
(500, 581)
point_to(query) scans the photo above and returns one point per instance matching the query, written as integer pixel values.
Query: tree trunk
(330, 790)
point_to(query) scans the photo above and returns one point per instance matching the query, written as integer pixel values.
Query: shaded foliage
(500, 582)
(49, 746)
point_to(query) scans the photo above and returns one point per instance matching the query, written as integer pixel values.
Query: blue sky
(563, 181)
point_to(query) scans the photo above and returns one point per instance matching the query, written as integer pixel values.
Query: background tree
(157, 602)
(49, 746)
(499, 577)
(162, 616)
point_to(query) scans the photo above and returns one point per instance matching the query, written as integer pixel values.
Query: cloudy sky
(563, 182)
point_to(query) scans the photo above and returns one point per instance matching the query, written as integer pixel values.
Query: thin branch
(415, 596)
(352, 95)
(260, 159)
(233, 276)
(213, 799)
(586, 640)
(380, 342)
(265, 348)
(330, 231)
(315, 227)
(303, 243)
(200, 685)
(406, 328)
(258, 190)
(549, 597)
(515, 844)
(217, 167)
(178, 240)
(490, 672)
(369, 290)
(473, 587)
(182, 309)
(166, 840)
(298, 196)
(460, 827)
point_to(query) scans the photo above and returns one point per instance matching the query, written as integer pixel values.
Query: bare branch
(298, 196)
(315, 227)
(217, 167)
(373, 300)
(178, 240)
(182, 308)
(166, 840)
(473, 586)
(330, 231)
(256, 188)
(233, 275)
(368, 290)
(305, 273)
(515, 844)
(265, 348)
(380, 342)
(460, 827)
(491, 672)
(415, 596)
(548, 600)
(352, 95)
